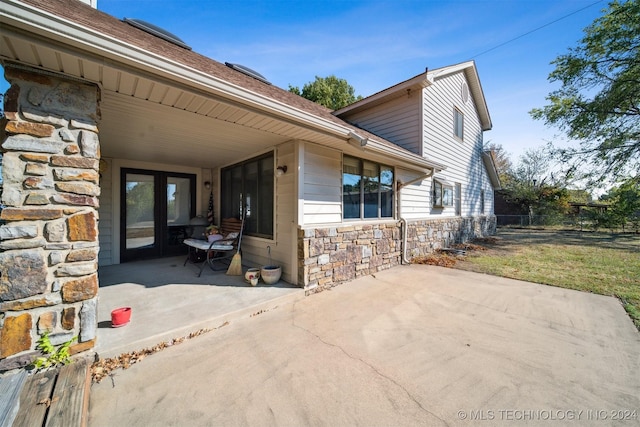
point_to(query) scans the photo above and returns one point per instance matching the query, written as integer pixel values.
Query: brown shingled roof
(85, 15)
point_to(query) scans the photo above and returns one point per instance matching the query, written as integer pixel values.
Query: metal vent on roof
(248, 71)
(156, 31)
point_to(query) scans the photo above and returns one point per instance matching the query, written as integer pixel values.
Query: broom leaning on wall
(235, 267)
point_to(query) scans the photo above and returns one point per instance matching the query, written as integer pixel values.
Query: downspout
(403, 221)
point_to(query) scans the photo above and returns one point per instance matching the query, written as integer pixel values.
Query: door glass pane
(178, 201)
(140, 220)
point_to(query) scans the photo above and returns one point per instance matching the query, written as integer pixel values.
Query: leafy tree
(624, 206)
(332, 92)
(532, 167)
(598, 103)
(533, 190)
(579, 196)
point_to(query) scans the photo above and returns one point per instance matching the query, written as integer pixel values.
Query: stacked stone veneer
(332, 255)
(48, 231)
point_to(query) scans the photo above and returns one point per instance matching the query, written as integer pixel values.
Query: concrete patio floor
(411, 346)
(168, 300)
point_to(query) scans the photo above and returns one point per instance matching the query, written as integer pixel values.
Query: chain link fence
(585, 222)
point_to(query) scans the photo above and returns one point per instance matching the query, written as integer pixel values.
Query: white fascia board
(30, 18)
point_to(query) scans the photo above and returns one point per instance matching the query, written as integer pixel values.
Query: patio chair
(219, 251)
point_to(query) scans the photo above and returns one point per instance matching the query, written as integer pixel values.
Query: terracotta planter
(120, 317)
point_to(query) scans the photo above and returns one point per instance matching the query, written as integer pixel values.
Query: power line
(536, 29)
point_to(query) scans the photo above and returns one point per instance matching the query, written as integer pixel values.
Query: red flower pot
(120, 317)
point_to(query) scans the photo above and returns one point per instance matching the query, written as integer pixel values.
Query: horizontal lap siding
(462, 158)
(397, 121)
(322, 185)
(414, 198)
(105, 212)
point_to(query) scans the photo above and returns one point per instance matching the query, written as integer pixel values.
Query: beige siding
(105, 212)
(462, 157)
(414, 199)
(255, 251)
(397, 120)
(322, 185)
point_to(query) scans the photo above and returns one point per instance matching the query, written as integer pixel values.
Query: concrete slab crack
(370, 366)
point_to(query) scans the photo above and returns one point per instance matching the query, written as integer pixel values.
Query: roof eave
(32, 19)
(492, 170)
(408, 159)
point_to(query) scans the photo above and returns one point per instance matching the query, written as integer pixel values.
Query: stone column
(49, 231)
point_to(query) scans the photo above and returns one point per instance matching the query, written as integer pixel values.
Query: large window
(458, 123)
(248, 187)
(442, 194)
(367, 189)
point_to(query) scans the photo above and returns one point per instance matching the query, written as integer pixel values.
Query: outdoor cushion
(204, 245)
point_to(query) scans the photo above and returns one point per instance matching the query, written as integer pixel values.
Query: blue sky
(377, 43)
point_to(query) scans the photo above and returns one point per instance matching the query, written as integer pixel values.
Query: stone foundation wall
(330, 256)
(48, 231)
(427, 236)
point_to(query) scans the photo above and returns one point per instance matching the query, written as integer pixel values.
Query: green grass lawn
(601, 263)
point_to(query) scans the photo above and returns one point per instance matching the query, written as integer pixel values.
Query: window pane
(386, 192)
(437, 194)
(367, 189)
(251, 197)
(351, 187)
(447, 196)
(231, 192)
(371, 181)
(265, 197)
(458, 123)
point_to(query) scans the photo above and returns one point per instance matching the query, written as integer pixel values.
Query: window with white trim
(481, 201)
(367, 189)
(458, 123)
(442, 193)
